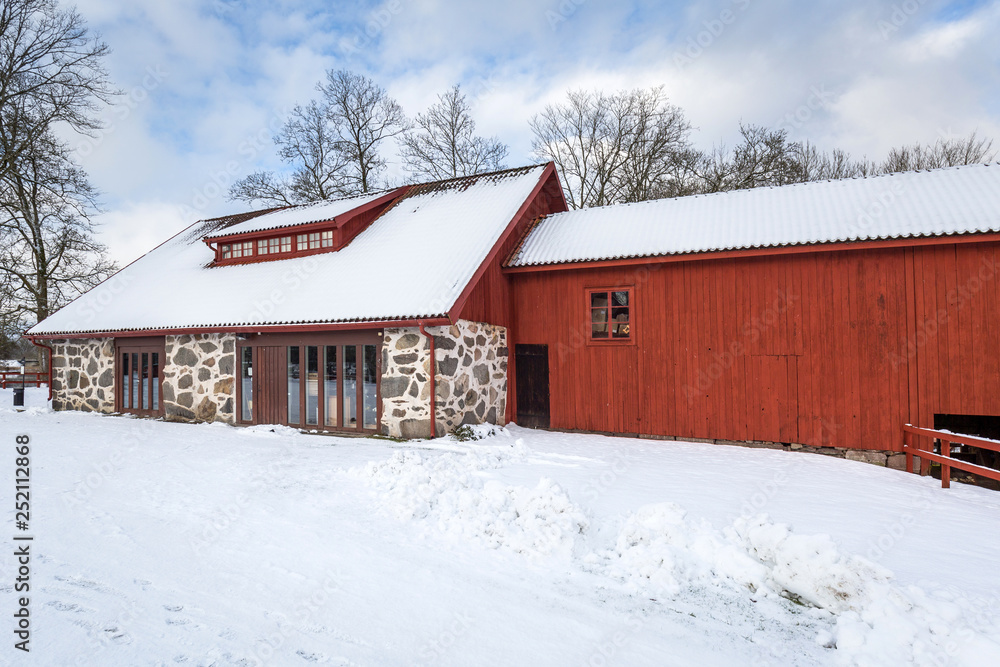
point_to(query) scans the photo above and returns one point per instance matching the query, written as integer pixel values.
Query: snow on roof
(955, 200)
(413, 261)
(299, 215)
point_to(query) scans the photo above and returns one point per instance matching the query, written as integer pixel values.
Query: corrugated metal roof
(955, 200)
(413, 261)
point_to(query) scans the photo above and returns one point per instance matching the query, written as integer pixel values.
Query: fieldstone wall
(198, 381)
(471, 385)
(83, 375)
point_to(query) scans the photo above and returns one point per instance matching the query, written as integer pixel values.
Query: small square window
(262, 247)
(328, 239)
(610, 314)
(302, 242)
(286, 244)
(313, 240)
(237, 250)
(226, 251)
(273, 245)
(248, 249)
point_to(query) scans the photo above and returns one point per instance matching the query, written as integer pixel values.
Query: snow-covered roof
(413, 261)
(300, 215)
(955, 200)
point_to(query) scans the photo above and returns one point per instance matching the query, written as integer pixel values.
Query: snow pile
(449, 492)
(660, 550)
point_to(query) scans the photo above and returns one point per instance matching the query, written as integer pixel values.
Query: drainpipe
(433, 374)
(49, 365)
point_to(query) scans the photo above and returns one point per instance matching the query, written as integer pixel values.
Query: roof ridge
(456, 180)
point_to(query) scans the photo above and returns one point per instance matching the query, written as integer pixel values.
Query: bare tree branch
(444, 143)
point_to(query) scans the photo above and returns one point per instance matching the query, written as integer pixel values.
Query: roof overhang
(907, 242)
(433, 321)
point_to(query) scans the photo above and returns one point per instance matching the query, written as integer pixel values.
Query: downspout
(49, 365)
(433, 374)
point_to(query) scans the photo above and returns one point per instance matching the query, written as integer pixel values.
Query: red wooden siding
(827, 348)
(491, 299)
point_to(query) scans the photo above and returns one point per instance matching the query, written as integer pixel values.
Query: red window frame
(609, 316)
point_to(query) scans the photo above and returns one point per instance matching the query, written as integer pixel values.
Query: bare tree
(444, 143)
(308, 141)
(333, 145)
(51, 76)
(837, 164)
(972, 149)
(49, 252)
(763, 157)
(51, 72)
(364, 116)
(629, 146)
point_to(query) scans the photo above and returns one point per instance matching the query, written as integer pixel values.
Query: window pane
(225, 251)
(619, 298)
(370, 408)
(350, 386)
(313, 240)
(619, 323)
(126, 404)
(330, 385)
(286, 244)
(237, 250)
(293, 384)
(312, 384)
(246, 384)
(262, 247)
(328, 239)
(145, 381)
(599, 300)
(272, 245)
(599, 322)
(156, 380)
(248, 249)
(302, 243)
(135, 380)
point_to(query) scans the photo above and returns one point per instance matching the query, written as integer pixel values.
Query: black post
(19, 392)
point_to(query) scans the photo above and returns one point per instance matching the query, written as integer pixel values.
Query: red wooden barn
(820, 314)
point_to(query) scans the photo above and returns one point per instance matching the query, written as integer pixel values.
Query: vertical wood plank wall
(826, 349)
(491, 300)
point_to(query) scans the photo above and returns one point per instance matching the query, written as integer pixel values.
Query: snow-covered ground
(161, 544)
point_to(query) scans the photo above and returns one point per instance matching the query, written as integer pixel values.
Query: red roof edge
(548, 172)
(249, 329)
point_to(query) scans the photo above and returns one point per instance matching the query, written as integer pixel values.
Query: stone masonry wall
(198, 381)
(83, 375)
(471, 378)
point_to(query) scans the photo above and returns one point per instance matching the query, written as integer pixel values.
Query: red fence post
(925, 463)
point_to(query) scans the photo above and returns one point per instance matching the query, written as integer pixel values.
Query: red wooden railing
(926, 456)
(10, 379)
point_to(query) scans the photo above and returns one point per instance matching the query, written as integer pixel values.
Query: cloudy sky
(206, 82)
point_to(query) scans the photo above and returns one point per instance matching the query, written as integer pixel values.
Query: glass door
(138, 386)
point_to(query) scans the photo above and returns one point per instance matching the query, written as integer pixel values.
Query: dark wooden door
(270, 385)
(532, 376)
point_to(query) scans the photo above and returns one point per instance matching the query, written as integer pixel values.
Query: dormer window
(253, 240)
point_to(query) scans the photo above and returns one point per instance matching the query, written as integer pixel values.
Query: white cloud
(233, 69)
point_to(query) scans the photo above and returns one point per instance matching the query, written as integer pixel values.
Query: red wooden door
(270, 386)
